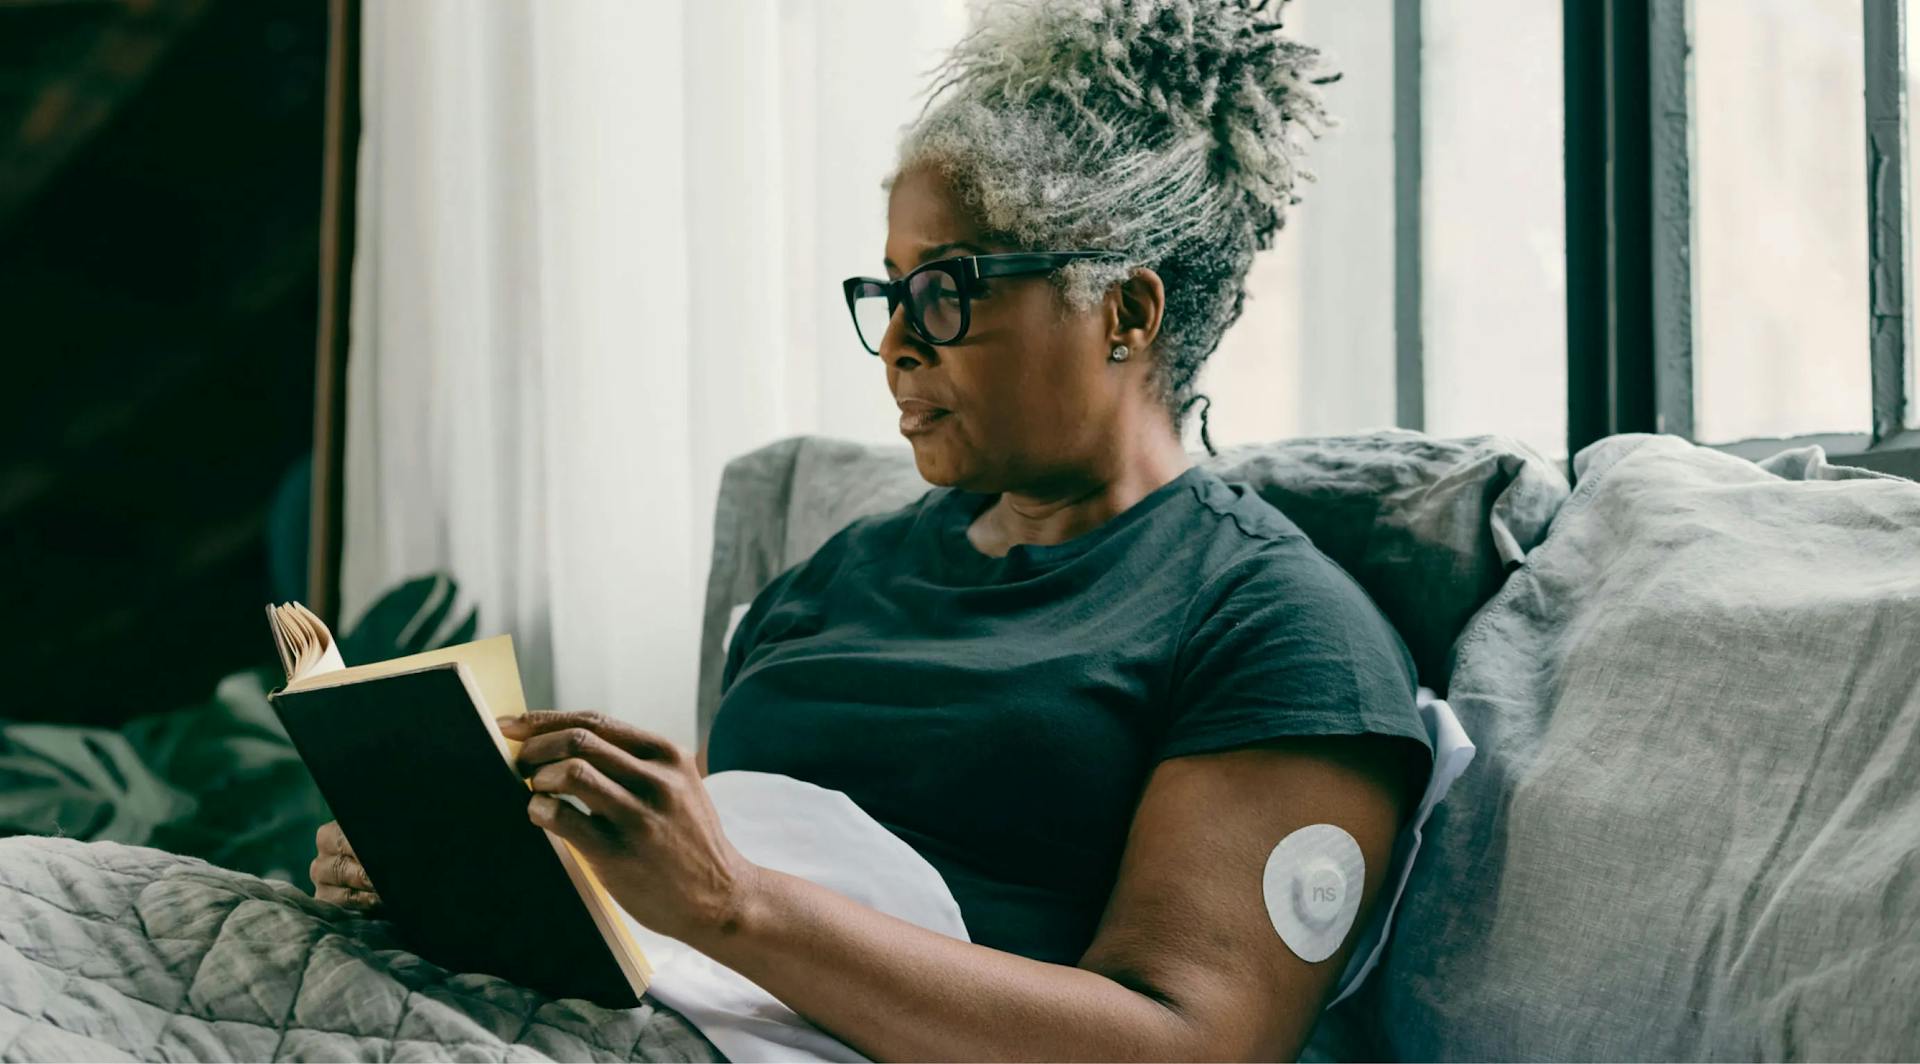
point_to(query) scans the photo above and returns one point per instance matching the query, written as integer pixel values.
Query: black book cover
(439, 820)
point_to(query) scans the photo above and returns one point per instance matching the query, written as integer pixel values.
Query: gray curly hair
(1170, 131)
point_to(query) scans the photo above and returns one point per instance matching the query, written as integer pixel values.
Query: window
(1313, 351)
(1422, 281)
(1561, 221)
(1912, 292)
(1736, 222)
(1780, 206)
(1493, 269)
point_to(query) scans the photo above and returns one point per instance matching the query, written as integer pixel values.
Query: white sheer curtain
(598, 252)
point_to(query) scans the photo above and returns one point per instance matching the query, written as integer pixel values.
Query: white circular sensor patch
(1312, 885)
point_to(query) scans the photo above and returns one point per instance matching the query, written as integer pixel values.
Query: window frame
(1630, 281)
(1409, 331)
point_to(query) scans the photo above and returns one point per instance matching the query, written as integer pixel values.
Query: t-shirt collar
(959, 508)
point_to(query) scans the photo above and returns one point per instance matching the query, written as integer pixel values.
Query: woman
(1090, 682)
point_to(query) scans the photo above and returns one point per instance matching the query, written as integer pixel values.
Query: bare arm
(1185, 965)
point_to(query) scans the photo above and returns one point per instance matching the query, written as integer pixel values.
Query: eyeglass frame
(965, 270)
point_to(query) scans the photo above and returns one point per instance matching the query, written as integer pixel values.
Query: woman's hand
(654, 839)
(337, 875)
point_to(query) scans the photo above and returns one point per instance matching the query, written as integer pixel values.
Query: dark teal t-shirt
(1001, 715)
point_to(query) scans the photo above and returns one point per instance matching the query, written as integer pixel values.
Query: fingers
(340, 879)
(338, 875)
(349, 872)
(584, 780)
(339, 870)
(589, 834)
(615, 770)
(330, 839)
(632, 772)
(635, 741)
(364, 901)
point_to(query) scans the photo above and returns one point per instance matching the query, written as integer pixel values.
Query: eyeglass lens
(934, 301)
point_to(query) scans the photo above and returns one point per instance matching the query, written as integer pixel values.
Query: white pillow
(1452, 753)
(816, 834)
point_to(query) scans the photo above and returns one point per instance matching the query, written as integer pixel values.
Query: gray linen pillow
(1429, 527)
(1692, 830)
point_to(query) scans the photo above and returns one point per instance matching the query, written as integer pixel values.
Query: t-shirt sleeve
(1283, 643)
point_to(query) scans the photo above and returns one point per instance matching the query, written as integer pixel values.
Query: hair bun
(1177, 70)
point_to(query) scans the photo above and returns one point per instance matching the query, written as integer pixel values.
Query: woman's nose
(901, 347)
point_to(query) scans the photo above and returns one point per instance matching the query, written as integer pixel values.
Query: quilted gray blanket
(115, 952)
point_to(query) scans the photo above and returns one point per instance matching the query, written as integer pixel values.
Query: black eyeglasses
(939, 295)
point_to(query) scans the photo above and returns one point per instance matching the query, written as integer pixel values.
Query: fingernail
(508, 723)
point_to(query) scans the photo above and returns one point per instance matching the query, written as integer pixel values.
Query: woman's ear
(1136, 307)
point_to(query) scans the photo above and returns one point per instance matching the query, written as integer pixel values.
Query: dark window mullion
(1629, 310)
(1410, 401)
(1631, 352)
(1584, 57)
(1885, 34)
(1670, 107)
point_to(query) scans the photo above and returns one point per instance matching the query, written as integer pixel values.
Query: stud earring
(1119, 353)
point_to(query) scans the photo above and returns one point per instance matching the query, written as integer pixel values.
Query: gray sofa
(1693, 827)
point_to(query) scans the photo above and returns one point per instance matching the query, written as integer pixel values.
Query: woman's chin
(937, 462)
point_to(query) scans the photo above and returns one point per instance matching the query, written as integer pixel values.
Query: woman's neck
(1070, 507)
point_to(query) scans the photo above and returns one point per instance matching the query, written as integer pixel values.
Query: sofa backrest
(1692, 827)
(1429, 527)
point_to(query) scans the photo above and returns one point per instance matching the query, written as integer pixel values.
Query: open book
(408, 756)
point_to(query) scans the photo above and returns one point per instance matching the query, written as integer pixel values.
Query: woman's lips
(918, 416)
